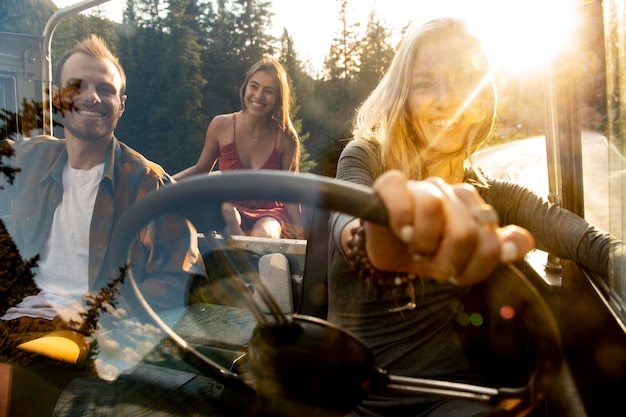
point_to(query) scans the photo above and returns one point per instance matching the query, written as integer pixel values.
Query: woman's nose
(449, 93)
(443, 92)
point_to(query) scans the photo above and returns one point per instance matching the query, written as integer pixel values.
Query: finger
(472, 199)
(515, 242)
(498, 245)
(460, 236)
(385, 250)
(428, 219)
(485, 258)
(392, 188)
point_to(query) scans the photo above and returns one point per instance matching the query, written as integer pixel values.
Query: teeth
(90, 113)
(442, 123)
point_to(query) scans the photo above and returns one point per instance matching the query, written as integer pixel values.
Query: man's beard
(92, 132)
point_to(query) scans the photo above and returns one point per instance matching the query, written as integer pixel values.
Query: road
(524, 161)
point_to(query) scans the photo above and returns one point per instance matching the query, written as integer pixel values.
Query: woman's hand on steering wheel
(441, 231)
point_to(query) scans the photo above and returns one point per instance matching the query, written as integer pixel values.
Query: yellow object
(63, 345)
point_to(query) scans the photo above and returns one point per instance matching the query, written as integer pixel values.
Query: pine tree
(375, 55)
(342, 63)
(146, 125)
(104, 301)
(222, 69)
(299, 81)
(25, 16)
(253, 22)
(336, 91)
(184, 65)
(16, 276)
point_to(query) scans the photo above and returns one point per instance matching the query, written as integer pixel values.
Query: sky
(311, 23)
(523, 29)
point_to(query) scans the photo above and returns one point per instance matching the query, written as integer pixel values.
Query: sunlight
(527, 33)
(519, 34)
(64, 345)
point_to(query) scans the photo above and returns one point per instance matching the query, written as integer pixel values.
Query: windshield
(185, 290)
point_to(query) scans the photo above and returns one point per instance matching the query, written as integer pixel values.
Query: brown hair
(280, 113)
(95, 47)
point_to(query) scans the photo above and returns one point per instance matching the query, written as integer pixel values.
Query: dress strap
(234, 125)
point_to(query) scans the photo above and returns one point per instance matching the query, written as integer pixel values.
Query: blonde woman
(450, 226)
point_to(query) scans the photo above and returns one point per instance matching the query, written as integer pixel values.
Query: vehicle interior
(250, 337)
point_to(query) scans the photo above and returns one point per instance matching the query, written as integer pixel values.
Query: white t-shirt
(63, 272)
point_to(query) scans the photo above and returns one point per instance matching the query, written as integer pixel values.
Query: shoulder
(358, 162)
(219, 126)
(42, 141)
(132, 165)
(222, 121)
(38, 146)
(360, 148)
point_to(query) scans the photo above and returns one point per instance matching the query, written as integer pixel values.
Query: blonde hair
(384, 117)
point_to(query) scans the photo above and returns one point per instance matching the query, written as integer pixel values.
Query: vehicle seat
(314, 294)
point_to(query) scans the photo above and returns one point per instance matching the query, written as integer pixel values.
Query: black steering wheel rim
(195, 197)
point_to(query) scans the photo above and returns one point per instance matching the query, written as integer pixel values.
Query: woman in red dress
(259, 136)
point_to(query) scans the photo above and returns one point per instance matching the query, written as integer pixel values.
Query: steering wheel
(286, 355)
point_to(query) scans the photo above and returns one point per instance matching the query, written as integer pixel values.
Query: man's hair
(95, 47)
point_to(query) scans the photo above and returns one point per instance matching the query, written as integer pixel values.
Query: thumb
(515, 243)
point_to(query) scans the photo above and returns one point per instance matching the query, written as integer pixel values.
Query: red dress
(252, 210)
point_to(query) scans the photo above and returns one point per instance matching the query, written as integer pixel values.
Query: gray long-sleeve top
(422, 342)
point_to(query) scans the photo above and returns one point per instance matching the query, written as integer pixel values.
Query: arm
(171, 258)
(555, 229)
(433, 231)
(163, 254)
(210, 151)
(169, 255)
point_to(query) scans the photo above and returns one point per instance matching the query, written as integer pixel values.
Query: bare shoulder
(222, 121)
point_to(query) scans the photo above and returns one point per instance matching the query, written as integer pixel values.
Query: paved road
(524, 161)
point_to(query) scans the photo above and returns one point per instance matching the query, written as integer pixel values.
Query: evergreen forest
(185, 61)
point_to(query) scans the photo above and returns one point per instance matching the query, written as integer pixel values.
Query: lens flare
(507, 312)
(476, 319)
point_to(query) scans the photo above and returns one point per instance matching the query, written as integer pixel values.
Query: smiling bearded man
(71, 192)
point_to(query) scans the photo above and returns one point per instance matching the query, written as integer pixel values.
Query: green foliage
(375, 54)
(342, 62)
(7, 152)
(185, 61)
(289, 58)
(16, 277)
(28, 119)
(185, 97)
(25, 16)
(104, 301)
